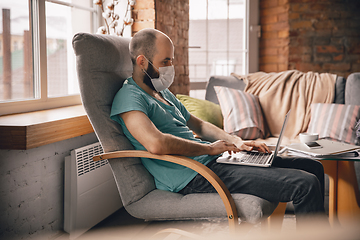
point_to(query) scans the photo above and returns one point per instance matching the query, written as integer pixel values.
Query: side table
(344, 196)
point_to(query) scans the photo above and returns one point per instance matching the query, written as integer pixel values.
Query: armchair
(103, 63)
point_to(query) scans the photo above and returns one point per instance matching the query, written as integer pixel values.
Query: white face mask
(165, 79)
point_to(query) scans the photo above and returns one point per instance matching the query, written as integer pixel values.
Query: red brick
(302, 41)
(325, 24)
(348, 32)
(338, 40)
(306, 57)
(267, 35)
(312, 15)
(283, 17)
(274, 10)
(354, 46)
(270, 59)
(320, 6)
(299, 7)
(322, 40)
(269, 51)
(282, 2)
(300, 24)
(268, 19)
(174, 88)
(355, 67)
(144, 4)
(146, 14)
(187, 70)
(268, 4)
(179, 70)
(300, 50)
(291, 66)
(294, 58)
(293, 33)
(284, 50)
(268, 67)
(329, 49)
(137, 26)
(294, 15)
(338, 57)
(303, 1)
(317, 33)
(282, 67)
(337, 66)
(274, 42)
(322, 58)
(275, 26)
(305, 67)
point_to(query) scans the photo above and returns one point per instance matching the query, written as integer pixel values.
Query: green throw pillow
(203, 109)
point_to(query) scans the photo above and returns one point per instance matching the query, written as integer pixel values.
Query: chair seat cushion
(164, 205)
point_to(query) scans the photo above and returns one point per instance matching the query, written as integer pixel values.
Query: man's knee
(310, 183)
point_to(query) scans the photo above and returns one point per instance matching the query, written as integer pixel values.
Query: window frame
(251, 43)
(41, 101)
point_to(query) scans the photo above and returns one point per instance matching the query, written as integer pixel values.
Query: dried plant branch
(111, 18)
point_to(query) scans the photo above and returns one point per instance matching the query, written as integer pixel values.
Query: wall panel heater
(91, 193)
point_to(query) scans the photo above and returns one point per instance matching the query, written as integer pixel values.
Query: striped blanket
(295, 90)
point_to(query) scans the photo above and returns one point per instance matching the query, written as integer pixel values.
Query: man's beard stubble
(153, 74)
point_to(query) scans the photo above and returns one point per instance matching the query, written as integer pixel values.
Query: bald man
(154, 120)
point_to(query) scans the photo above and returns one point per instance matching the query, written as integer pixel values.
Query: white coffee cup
(308, 137)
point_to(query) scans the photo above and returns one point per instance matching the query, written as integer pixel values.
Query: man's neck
(139, 81)
(148, 90)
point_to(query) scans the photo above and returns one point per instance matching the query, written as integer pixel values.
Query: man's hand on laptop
(221, 146)
(256, 146)
(250, 145)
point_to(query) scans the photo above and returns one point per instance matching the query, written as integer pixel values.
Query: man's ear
(141, 62)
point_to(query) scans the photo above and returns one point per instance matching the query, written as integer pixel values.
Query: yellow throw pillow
(203, 109)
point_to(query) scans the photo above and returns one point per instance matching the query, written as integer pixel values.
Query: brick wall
(172, 18)
(274, 42)
(32, 189)
(310, 35)
(143, 14)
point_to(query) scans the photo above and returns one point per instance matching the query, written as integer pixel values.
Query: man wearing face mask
(154, 120)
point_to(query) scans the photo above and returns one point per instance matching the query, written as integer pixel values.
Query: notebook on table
(330, 149)
(254, 158)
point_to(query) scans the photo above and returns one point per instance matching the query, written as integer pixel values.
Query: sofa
(346, 91)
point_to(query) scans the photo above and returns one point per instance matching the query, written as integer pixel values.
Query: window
(37, 63)
(221, 40)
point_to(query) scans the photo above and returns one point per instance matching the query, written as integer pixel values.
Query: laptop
(254, 158)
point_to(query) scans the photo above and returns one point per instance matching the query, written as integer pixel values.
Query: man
(154, 120)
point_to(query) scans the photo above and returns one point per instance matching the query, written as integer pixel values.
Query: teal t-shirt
(168, 119)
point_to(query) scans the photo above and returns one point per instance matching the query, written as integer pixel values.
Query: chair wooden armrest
(192, 164)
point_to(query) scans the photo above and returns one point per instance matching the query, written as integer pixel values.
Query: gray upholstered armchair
(103, 63)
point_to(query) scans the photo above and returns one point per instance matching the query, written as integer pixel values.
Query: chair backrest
(103, 63)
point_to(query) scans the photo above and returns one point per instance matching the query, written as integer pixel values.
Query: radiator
(90, 192)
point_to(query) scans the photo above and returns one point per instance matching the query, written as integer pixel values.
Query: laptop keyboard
(252, 157)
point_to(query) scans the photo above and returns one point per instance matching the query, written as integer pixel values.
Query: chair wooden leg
(275, 220)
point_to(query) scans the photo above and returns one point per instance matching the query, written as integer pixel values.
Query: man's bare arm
(143, 130)
(210, 132)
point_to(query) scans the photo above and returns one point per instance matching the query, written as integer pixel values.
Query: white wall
(32, 189)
